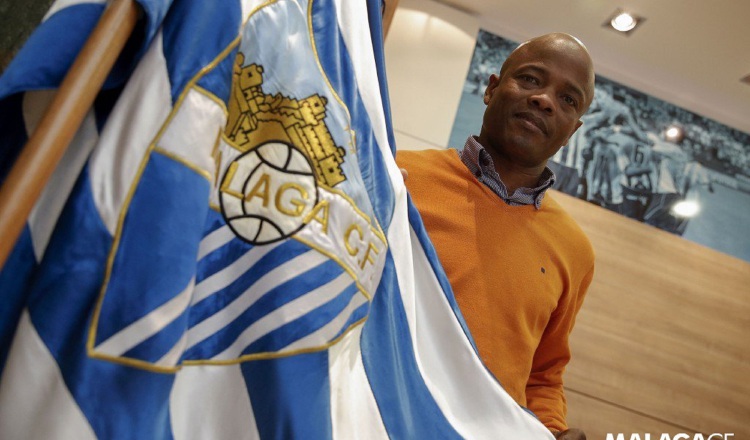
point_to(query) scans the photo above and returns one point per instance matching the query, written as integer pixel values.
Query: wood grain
(598, 418)
(665, 327)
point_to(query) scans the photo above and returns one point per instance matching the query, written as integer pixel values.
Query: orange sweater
(519, 275)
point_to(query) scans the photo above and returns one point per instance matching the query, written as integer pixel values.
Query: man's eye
(569, 100)
(529, 79)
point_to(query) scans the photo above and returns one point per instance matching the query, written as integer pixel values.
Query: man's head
(535, 104)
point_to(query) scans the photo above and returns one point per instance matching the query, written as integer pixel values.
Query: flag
(227, 249)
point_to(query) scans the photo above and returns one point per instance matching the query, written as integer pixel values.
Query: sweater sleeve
(544, 389)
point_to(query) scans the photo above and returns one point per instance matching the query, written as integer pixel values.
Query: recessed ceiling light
(623, 22)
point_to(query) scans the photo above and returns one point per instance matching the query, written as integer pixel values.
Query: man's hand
(570, 434)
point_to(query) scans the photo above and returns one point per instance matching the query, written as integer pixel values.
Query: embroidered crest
(268, 193)
(291, 253)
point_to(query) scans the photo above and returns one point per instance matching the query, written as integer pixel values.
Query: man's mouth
(533, 120)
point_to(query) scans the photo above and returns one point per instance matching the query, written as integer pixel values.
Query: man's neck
(515, 176)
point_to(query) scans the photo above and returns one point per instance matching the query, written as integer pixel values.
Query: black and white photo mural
(639, 156)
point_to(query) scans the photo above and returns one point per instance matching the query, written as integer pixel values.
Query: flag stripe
(377, 36)
(193, 131)
(31, 412)
(144, 243)
(147, 326)
(391, 366)
(354, 412)
(291, 401)
(189, 48)
(339, 68)
(50, 203)
(424, 245)
(15, 277)
(211, 402)
(277, 297)
(154, 12)
(283, 273)
(157, 345)
(220, 280)
(358, 41)
(288, 312)
(333, 328)
(116, 161)
(301, 327)
(358, 314)
(218, 300)
(173, 356)
(213, 241)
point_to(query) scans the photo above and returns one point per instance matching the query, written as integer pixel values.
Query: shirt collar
(479, 162)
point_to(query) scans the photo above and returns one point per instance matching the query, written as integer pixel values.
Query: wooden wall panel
(665, 329)
(600, 418)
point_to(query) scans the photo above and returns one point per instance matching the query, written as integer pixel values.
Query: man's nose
(543, 102)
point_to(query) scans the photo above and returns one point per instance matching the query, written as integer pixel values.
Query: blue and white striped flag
(227, 249)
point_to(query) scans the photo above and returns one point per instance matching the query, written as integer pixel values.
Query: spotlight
(674, 133)
(686, 208)
(623, 22)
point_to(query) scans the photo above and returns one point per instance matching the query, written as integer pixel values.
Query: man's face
(536, 105)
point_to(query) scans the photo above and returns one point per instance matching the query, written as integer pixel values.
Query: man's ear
(578, 125)
(491, 85)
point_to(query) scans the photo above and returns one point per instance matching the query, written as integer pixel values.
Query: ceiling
(691, 53)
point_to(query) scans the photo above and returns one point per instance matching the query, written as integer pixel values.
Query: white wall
(428, 50)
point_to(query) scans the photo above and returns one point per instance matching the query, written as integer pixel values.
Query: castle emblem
(256, 118)
(270, 191)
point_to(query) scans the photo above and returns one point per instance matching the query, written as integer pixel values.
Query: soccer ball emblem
(267, 192)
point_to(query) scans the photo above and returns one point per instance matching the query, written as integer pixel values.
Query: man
(518, 264)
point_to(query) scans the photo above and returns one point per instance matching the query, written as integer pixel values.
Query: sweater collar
(480, 164)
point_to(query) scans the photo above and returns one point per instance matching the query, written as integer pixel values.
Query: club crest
(269, 191)
(290, 254)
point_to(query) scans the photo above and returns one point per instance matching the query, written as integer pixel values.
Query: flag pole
(63, 117)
